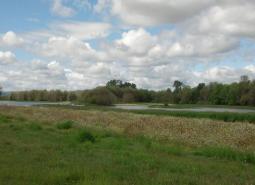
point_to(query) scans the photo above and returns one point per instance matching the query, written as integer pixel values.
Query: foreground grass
(64, 152)
(189, 131)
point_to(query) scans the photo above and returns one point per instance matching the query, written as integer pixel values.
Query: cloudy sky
(81, 44)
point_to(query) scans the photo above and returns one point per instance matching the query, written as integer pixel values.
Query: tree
(120, 84)
(244, 78)
(100, 96)
(177, 85)
(1, 90)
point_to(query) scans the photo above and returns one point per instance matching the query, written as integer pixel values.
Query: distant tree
(100, 96)
(1, 90)
(186, 95)
(114, 83)
(72, 96)
(177, 85)
(167, 97)
(120, 84)
(244, 78)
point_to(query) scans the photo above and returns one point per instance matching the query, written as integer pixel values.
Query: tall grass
(221, 116)
(190, 131)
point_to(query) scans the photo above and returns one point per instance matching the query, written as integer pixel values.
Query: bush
(65, 125)
(84, 136)
(100, 96)
(34, 126)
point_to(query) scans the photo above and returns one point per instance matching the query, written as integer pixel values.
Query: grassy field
(194, 106)
(54, 146)
(221, 116)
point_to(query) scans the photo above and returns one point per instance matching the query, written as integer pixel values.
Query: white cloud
(181, 37)
(78, 29)
(64, 48)
(101, 5)
(82, 30)
(59, 9)
(202, 45)
(154, 12)
(7, 57)
(11, 39)
(136, 41)
(235, 19)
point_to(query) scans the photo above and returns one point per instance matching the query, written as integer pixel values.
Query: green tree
(100, 96)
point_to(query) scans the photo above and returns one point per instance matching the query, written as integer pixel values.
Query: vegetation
(122, 148)
(65, 125)
(222, 116)
(42, 95)
(191, 131)
(99, 96)
(117, 91)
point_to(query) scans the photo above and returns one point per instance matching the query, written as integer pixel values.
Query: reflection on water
(202, 109)
(27, 103)
(133, 107)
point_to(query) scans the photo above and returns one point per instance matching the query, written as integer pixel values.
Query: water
(132, 107)
(202, 109)
(28, 103)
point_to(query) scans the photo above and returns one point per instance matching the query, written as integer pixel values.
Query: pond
(28, 103)
(202, 109)
(132, 107)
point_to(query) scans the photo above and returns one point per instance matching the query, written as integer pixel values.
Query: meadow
(53, 146)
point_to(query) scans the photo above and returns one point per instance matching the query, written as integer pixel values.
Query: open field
(55, 146)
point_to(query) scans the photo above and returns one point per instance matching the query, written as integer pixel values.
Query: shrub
(84, 136)
(100, 96)
(34, 126)
(65, 125)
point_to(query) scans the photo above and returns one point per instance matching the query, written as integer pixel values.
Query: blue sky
(81, 44)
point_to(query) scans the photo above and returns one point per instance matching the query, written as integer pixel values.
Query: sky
(82, 44)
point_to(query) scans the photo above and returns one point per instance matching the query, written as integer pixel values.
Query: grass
(89, 154)
(194, 106)
(221, 116)
(189, 131)
(85, 136)
(65, 125)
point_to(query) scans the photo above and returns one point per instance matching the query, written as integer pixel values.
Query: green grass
(65, 125)
(35, 153)
(221, 116)
(195, 106)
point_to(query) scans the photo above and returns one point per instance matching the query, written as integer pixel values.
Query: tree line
(117, 91)
(41, 95)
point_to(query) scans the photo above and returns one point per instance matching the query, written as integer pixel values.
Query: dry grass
(193, 132)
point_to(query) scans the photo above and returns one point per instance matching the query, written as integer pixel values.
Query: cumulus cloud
(62, 47)
(136, 41)
(153, 12)
(59, 9)
(152, 43)
(10, 39)
(7, 57)
(230, 18)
